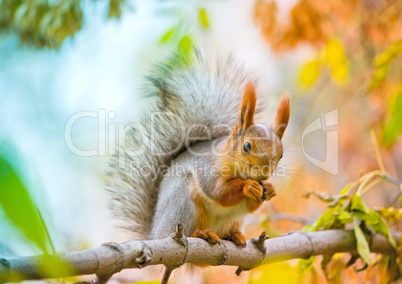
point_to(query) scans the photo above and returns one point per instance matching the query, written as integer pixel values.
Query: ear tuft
(282, 115)
(247, 108)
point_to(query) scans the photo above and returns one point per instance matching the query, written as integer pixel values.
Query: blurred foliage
(181, 35)
(202, 13)
(348, 207)
(364, 35)
(382, 63)
(46, 23)
(26, 219)
(390, 214)
(357, 42)
(115, 8)
(20, 209)
(333, 57)
(280, 272)
(393, 124)
(41, 23)
(355, 47)
(316, 22)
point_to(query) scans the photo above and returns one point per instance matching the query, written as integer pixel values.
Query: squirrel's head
(254, 150)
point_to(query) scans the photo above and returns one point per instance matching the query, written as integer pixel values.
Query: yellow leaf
(382, 59)
(339, 72)
(202, 14)
(335, 57)
(309, 73)
(334, 53)
(280, 272)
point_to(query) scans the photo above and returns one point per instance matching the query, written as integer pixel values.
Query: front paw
(253, 190)
(268, 190)
(207, 235)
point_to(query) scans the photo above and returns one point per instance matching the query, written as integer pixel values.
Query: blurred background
(339, 60)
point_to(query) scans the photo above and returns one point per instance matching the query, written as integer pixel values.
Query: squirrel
(192, 168)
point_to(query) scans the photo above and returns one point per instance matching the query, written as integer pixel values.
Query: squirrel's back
(196, 97)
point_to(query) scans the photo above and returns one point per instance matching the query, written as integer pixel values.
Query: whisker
(239, 160)
(298, 160)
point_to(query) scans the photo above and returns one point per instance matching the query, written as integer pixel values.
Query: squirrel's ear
(282, 115)
(247, 108)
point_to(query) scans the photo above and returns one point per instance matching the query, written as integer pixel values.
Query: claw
(238, 238)
(207, 235)
(268, 190)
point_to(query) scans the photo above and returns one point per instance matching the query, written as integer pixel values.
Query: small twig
(260, 242)
(282, 216)
(377, 152)
(291, 217)
(395, 181)
(166, 275)
(180, 238)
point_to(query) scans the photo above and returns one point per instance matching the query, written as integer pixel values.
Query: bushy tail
(195, 96)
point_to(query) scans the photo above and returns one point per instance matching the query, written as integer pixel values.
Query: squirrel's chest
(222, 219)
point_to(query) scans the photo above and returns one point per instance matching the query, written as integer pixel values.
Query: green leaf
(308, 228)
(304, 266)
(19, 207)
(361, 242)
(185, 44)
(383, 62)
(168, 35)
(202, 14)
(373, 220)
(379, 226)
(52, 266)
(357, 204)
(345, 217)
(115, 8)
(326, 258)
(345, 190)
(393, 126)
(326, 220)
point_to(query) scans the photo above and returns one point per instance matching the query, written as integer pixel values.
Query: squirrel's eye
(247, 147)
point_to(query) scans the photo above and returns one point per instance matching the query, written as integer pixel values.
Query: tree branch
(110, 258)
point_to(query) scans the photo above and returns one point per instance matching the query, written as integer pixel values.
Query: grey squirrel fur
(199, 90)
